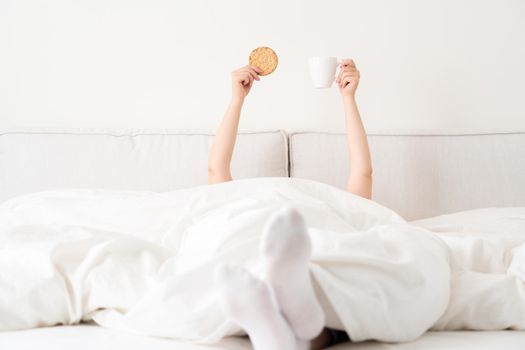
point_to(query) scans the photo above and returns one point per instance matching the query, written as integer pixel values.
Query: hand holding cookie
(262, 61)
(242, 80)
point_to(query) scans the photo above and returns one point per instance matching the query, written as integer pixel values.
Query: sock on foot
(286, 251)
(248, 302)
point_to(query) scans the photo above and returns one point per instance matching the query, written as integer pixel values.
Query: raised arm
(221, 150)
(360, 178)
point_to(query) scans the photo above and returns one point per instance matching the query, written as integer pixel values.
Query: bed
(417, 175)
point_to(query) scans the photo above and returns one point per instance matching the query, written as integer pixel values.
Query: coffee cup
(322, 71)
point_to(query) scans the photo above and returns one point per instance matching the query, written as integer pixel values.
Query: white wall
(432, 65)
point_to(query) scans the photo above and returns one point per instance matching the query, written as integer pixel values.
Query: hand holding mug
(323, 73)
(348, 78)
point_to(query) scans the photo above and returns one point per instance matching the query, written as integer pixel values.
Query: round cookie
(264, 58)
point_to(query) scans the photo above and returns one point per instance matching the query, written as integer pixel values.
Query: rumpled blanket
(143, 262)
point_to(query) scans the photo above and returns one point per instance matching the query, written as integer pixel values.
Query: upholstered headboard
(423, 175)
(416, 175)
(151, 160)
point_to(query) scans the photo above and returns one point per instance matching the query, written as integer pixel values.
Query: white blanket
(143, 262)
(487, 249)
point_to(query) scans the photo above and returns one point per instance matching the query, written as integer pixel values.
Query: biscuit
(264, 58)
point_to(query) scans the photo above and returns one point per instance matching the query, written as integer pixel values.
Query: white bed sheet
(464, 340)
(89, 337)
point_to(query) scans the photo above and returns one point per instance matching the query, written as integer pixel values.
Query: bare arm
(360, 178)
(223, 144)
(221, 150)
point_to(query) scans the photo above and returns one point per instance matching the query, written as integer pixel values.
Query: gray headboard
(416, 175)
(423, 175)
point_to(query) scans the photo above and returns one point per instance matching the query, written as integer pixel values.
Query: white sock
(248, 302)
(286, 250)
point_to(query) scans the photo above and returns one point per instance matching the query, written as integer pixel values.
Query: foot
(248, 302)
(286, 250)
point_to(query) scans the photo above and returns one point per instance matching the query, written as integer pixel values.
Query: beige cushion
(127, 159)
(423, 175)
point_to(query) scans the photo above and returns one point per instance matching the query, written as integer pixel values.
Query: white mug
(322, 71)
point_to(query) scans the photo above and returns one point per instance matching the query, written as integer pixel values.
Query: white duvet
(143, 262)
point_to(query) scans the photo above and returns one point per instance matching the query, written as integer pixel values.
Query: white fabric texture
(458, 340)
(488, 250)
(420, 176)
(93, 337)
(143, 262)
(150, 160)
(90, 337)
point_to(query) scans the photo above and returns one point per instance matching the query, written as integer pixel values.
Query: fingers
(346, 66)
(349, 69)
(247, 79)
(347, 78)
(244, 72)
(347, 62)
(344, 82)
(253, 73)
(347, 81)
(354, 75)
(345, 71)
(242, 76)
(338, 79)
(256, 69)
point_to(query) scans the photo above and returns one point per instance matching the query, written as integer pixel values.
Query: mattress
(89, 337)
(507, 340)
